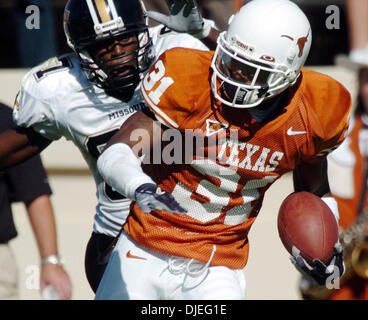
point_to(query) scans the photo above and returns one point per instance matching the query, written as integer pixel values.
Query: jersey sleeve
(329, 118)
(172, 88)
(35, 106)
(27, 181)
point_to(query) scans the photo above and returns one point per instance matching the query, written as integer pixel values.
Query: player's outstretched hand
(318, 272)
(184, 16)
(149, 197)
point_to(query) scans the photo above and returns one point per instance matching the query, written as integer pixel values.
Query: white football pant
(135, 273)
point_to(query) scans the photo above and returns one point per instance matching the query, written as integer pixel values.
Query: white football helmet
(261, 53)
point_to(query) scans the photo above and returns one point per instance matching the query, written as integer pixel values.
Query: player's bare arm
(17, 146)
(312, 177)
(212, 37)
(138, 121)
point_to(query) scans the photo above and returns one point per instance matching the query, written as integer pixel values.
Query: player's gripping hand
(149, 197)
(318, 272)
(184, 17)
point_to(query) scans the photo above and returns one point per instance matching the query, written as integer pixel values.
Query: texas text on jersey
(223, 196)
(57, 100)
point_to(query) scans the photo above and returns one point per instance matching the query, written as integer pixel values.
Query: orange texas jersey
(348, 207)
(222, 184)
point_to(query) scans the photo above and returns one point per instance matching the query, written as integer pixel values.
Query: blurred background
(50, 38)
(269, 272)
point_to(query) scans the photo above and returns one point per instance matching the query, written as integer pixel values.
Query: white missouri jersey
(57, 100)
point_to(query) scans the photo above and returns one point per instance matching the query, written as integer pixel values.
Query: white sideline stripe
(162, 115)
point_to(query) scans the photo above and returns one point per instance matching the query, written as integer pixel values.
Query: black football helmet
(93, 24)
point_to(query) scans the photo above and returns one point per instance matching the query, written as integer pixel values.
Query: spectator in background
(352, 202)
(35, 45)
(357, 15)
(350, 191)
(27, 183)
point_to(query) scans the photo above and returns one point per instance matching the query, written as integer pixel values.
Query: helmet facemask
(241, 81)
(94, 30)
(120, 74)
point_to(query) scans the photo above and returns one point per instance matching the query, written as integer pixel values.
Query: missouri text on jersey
(127, 110)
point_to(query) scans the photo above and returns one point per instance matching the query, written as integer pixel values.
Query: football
(306, 222)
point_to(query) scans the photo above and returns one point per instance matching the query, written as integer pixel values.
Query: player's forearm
(209, 34)
(312, 177)
(211, 40)
(41, 216)
(15, 148)
(121, 169)
(119, 164)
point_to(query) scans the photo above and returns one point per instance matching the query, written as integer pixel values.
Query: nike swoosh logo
(132, 256)
(290, 132)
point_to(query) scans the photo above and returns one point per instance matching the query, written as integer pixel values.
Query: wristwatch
(53, 259)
